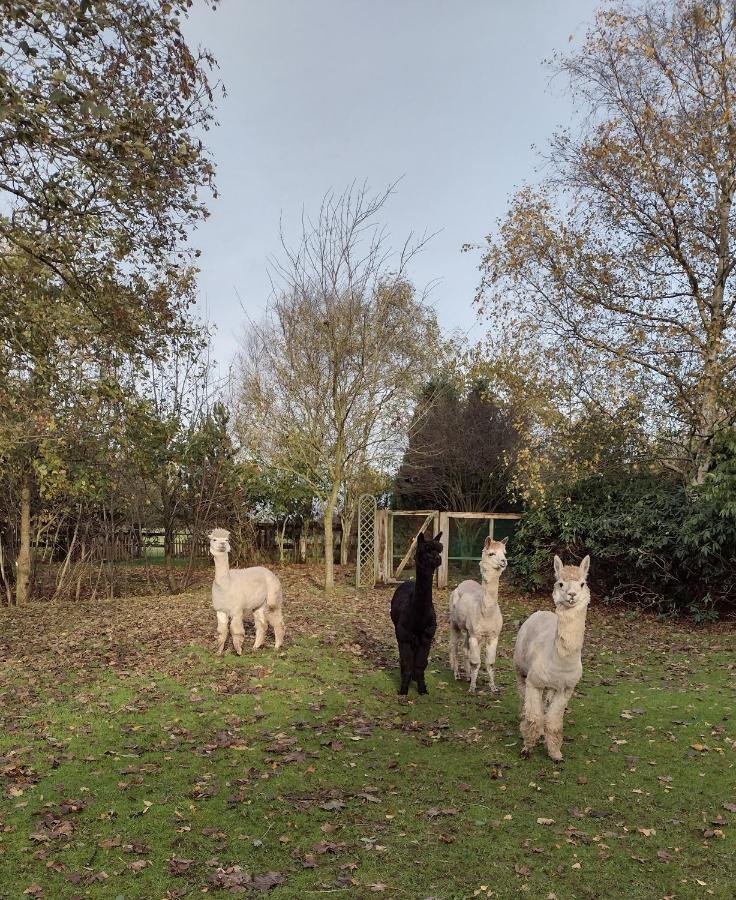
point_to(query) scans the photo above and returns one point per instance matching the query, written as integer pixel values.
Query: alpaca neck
(423, 590)
(491, 578)
(570, 630)
(222, 570)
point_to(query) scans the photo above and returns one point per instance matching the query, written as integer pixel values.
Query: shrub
(654, 542)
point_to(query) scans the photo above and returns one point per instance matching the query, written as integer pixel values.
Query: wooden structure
(388, 571)
(365, 557)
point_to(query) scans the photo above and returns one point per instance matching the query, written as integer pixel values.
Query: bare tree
(328, 375)
(177, 397)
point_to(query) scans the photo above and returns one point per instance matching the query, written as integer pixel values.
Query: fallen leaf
(179, 866)
(139, 864)
(267, 881)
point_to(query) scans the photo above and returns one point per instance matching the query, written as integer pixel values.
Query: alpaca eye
(582, 584)
(559, 584)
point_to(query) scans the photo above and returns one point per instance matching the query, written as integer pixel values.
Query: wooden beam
(443, 573)
(482, 515)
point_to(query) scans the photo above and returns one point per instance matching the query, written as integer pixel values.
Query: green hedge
(653, 542)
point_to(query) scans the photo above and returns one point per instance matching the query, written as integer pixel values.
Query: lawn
(136, 764)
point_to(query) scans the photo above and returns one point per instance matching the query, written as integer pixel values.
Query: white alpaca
(237, 591)
(475, 616)
(547, 658)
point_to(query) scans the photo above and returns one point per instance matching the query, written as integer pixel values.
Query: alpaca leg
(421, 658)
(238, 632)
(261, 620)
(491, 648)
(521, 686)
(466, 655)
(222, 623)
(532, 719)
(454, 638)
(553, 718)
(406, 661)
(276, 621)
(474, 658)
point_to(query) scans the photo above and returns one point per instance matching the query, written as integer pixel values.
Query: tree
(61, 408)
(172, 436)
(327, 376)
(100, 154)
(360, 477)
(462, 454)
(622, 259)
(282, 497)
(101, 166)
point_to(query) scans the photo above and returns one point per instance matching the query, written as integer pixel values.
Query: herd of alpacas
(547, 654)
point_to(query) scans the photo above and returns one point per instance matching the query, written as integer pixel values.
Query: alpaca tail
(274, 598)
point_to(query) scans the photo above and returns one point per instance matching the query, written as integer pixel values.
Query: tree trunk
(281, 535)
(168, 515)
(329, 539)
(329, 548)
(303, 542)
(169, 537)
(709, 412)
(347, 532)
(4, 576)
(712, 375)
(330, 508)
(23, 578)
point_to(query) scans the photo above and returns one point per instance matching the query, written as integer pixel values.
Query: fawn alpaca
(413, 615)
(237, 591)
(475, 616)
(547, 658)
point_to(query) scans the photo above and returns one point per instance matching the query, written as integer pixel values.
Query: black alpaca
(414, 617)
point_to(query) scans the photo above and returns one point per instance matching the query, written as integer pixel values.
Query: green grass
(305, 763)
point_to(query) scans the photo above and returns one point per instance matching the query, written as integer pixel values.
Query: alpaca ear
(487, 545)
(558, 566)
(585, 566)
(420, 537)
(437, 537)
(504, 541)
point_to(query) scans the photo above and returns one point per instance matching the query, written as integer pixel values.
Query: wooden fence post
(382, 562)
(443, 573)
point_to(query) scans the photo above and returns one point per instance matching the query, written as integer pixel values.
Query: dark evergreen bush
(654, 541)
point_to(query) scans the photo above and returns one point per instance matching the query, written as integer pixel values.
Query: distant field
(135, 764)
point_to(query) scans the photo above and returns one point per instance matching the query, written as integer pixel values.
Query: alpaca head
(493, 558)
(429, 552)
(571, 584)
(219, 541)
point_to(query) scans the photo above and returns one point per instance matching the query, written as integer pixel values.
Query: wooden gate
(389, 570)
(388, 562)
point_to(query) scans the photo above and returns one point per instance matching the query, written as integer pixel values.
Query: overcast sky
(448, 95)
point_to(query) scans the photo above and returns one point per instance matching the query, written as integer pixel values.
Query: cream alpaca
(237, 591)
(547, 658)
(475, 616)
